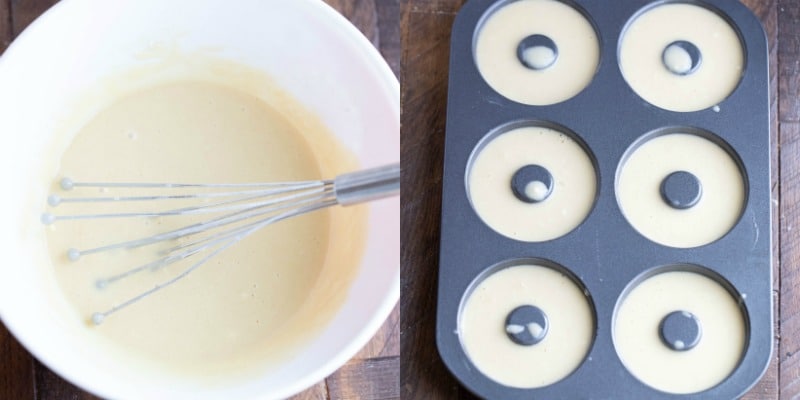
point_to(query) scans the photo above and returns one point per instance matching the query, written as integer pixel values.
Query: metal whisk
(245, 208)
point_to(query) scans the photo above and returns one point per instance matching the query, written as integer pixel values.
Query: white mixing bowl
(305, 46)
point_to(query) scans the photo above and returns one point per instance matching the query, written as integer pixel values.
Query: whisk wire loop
(243, 212)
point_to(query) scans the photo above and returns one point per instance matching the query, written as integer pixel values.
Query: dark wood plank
(434, 6)
(789, 58)
(372, 379)
(789, 116)
(23, 12)
(790, 254)
(6, 33)
(389, 32)
(16, 368)
(425, 36)
(50, 386)
(316, 392)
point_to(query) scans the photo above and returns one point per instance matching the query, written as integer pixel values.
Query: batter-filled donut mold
(606, 224)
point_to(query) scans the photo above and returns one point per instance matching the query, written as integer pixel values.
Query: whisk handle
(369, 184)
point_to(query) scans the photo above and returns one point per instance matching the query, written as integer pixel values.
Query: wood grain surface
(371, 375)
(425, 33)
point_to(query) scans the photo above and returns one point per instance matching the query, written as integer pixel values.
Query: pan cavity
(526, 323)
(537, 52)
(680, 329)
(532, 182)
(681, 187)
(681, 57)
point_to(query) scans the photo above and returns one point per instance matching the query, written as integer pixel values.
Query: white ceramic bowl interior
(310, 51)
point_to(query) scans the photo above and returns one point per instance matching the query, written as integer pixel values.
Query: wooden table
(425, 34)
(371, 374)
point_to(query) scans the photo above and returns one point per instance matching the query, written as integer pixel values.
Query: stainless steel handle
(369, 184)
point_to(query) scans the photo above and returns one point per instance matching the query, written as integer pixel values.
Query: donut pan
(605, 254)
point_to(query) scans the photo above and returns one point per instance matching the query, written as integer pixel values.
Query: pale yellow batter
(717, 211)
(575, 38)
(638, 344)
(254, 303)
(574, 184)
(482, 327)
(646, 38)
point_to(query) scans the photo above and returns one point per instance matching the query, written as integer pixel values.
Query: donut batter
(642, 50)
(578, 52)
(252, 304)
(636, 332)
(715, 213)
(483, 333)
(574, 184)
